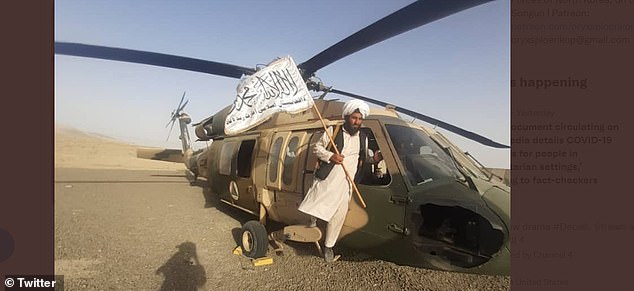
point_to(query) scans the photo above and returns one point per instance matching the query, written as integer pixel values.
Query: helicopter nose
(454, 236)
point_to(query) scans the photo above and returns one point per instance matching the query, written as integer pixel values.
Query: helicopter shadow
(183, 271)
(292, 248)
(304, 249)
(300, 249)
(352, 255)
(168, 175)
(213, 201)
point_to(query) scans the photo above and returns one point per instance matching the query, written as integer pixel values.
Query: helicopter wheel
(254, 241)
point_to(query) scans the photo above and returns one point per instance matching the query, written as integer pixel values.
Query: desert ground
(124, 223)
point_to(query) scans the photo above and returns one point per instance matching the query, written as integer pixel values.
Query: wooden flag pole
(332, 142)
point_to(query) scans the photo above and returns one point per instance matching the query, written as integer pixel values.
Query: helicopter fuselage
(422, 210)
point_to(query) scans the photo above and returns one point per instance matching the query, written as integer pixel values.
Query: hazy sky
(456, 69)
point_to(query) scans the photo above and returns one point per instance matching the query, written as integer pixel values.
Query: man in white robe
(328, 198)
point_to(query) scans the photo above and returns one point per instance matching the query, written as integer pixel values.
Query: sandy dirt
(122, 223)
(77, 149)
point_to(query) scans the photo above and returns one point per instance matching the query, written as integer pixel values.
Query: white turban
(353, 105)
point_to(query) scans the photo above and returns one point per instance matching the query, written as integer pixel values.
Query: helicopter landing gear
(298, 233)
(253, 239)
(191, 177)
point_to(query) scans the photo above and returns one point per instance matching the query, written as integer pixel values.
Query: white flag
(279, 87)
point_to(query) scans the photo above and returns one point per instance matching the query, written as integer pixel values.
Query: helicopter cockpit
(422, 159)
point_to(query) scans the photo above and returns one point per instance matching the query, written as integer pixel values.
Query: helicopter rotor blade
(403, 20)
(175, 114)
(171, 121)
(171, 127)
(182, 107)
(151, 58)
(179, 103)
(176, 111)
(449, 127)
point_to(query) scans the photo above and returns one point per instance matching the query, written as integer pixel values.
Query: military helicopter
(427, 204)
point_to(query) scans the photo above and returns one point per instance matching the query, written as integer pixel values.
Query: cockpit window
(468, 164)
(423, 160)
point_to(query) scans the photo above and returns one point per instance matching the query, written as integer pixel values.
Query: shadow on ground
(183, 271)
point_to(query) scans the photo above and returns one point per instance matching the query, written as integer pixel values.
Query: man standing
(328, 197)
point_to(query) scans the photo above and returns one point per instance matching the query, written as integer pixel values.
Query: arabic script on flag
(279, 87)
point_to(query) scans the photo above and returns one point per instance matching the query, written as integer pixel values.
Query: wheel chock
(237, 251)
(263, 261)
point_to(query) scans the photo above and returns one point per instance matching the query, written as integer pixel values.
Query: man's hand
(378, 156)
(337, 159)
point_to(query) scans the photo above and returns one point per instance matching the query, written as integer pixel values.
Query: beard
(350, 129)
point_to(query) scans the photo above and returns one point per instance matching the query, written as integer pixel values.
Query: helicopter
(428, 204)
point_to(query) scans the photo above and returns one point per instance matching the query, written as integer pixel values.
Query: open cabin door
(234, 179)
(382, 188)
(243, 192)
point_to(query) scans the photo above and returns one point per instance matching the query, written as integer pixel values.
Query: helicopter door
(241, 186)
(384, 193)
(311, 163)
(284, 175)
(293, 154)
(274, 165)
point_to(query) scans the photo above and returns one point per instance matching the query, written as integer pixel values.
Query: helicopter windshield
(423, 160)
(469, 165)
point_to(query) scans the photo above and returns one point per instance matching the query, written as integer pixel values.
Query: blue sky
(456, 69)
